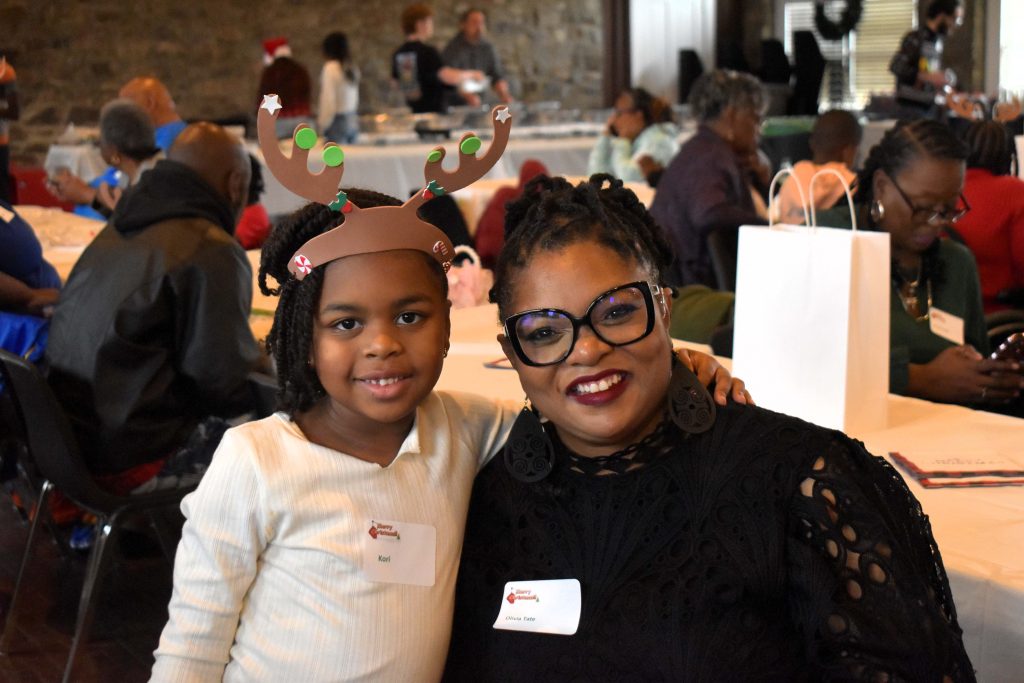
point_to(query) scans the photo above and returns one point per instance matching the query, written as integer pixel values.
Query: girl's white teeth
(383, 382)
(601, 385)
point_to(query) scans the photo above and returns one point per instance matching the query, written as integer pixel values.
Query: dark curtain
(616, 49)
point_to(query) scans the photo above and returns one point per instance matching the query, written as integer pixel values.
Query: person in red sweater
(254, 225)
(490, 229)
(994, 228)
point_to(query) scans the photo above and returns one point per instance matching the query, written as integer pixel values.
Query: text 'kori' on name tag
(399, 552)
(946, 325)
(551, 606)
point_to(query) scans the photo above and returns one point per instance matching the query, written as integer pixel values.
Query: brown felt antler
(381, 228)
(293, 172)
(470, 168)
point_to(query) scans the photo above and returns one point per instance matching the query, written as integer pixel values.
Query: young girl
(323, 542)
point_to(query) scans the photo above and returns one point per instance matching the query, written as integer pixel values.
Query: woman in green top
(911, 188)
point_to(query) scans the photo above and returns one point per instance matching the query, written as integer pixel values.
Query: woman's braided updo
(905, 143)
(901, 146)
(290, 340)
(552, 214)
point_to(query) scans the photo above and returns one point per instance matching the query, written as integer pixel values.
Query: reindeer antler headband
(380, 228)
(971, 110)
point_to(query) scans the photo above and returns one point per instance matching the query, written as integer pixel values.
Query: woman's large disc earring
(690, 406)
(877, 211)
(529, 454)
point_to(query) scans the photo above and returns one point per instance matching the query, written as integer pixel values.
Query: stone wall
(73, 55)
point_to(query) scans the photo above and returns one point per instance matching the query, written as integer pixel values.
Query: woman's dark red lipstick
(599, 389)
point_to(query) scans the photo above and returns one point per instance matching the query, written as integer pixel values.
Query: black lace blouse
(765, 549)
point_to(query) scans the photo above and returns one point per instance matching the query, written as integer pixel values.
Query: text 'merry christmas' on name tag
(399, 552)
(551, 606)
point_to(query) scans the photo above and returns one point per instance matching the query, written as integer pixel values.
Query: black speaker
(690, 69)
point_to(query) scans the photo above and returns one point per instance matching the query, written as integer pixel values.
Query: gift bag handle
(772, 208)
(846, 189)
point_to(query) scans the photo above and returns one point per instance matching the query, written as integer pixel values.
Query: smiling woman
(664, 539)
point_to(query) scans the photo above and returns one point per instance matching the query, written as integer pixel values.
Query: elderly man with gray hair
(150, 343)
(128, 144)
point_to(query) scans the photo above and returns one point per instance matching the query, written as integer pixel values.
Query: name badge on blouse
(541, 607)
(399, 552)
(946, 325)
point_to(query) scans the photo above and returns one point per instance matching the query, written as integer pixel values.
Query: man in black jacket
(917, 65)
(150, 337)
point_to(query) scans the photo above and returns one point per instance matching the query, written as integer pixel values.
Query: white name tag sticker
(946, 325)
(399, 552)
(541, 607)
(5, 215)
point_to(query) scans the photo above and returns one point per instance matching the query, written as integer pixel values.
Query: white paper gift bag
(812, 322)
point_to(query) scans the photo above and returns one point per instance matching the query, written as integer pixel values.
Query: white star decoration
(271, 103)
(503, 115)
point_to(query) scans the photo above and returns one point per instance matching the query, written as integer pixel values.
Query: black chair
(775, 67)
(690, 69)
(54, 453)
(1012, 296)
(808, 72)
(723, 247)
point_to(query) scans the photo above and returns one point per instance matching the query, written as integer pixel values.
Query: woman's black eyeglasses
(620, 316)
(930, 215)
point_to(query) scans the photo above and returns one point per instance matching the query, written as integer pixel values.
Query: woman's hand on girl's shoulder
(711, 373)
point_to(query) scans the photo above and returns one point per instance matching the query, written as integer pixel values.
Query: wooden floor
(130, 614)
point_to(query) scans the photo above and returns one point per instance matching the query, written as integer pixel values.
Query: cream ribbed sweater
(268, 583)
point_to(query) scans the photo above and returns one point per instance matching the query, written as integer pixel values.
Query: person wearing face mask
(706, 188)
(917, 65)
(911, 187)
(150, 343)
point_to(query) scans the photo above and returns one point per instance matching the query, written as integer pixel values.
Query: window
(858, 64)
(1011, 49)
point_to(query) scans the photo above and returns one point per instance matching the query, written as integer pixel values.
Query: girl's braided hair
(552, 214)
(901, 146)
(290, 341)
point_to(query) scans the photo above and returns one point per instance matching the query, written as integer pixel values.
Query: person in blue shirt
(28, 284)
(154, 98)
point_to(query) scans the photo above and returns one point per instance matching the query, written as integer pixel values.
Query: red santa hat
(274, 48)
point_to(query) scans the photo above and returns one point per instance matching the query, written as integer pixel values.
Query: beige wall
(73, 55)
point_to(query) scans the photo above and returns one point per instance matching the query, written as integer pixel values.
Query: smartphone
(1012, 349)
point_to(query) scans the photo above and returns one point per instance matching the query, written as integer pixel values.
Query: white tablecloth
(980, 531)
(62, 235)
(82, 160)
